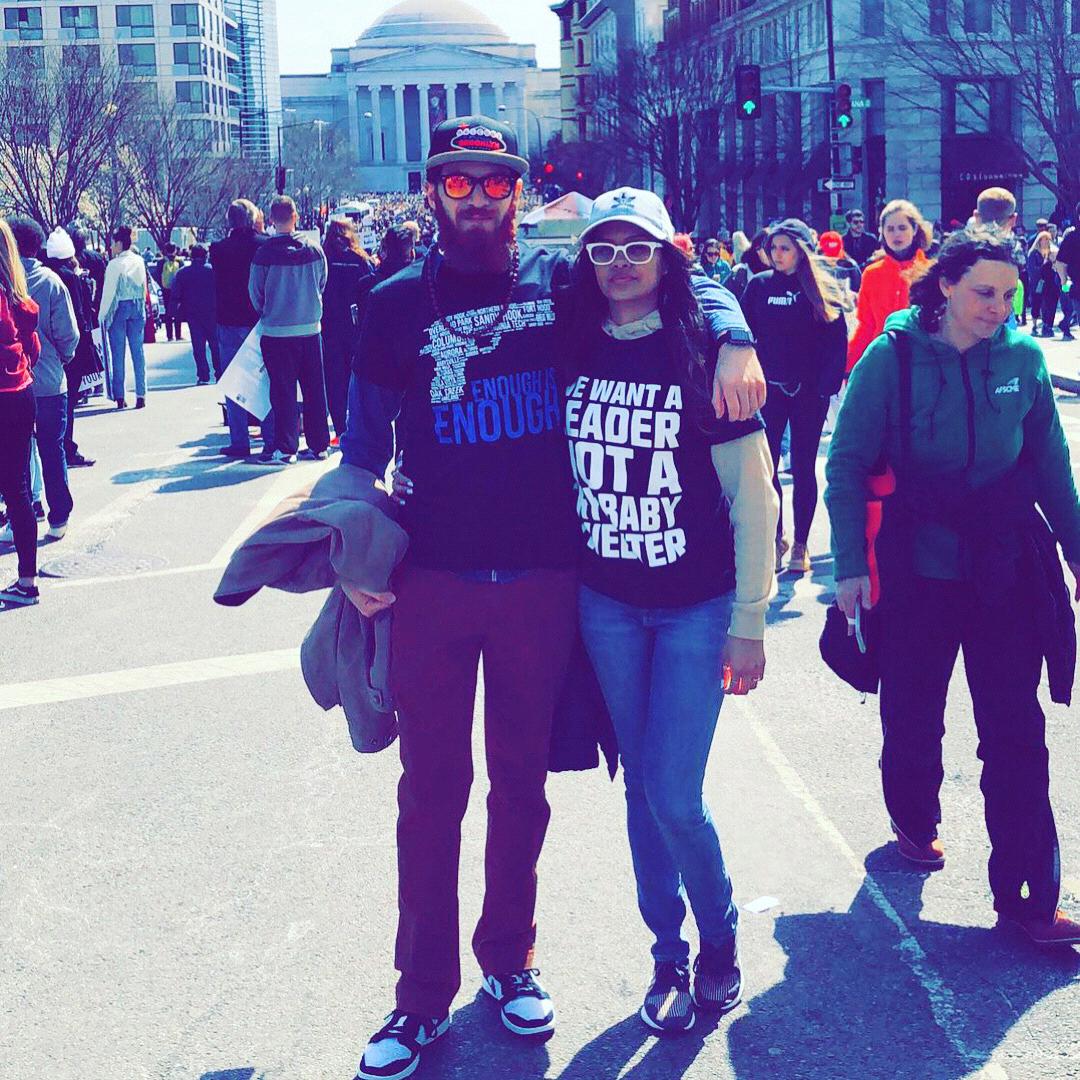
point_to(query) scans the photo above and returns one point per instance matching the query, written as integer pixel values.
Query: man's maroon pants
(443, 624)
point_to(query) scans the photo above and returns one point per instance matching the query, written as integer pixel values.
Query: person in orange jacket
(905, 236)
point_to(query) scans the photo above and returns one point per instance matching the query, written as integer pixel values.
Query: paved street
(197, 879)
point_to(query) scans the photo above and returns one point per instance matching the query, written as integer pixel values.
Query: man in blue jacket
(195, 297)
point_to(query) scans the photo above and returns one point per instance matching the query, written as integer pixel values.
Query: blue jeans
(230, 338)
(128, 324)
(51, 425)
(659, 670)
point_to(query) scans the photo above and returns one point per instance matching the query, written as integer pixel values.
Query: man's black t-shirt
(650, 506)
(480, 427)
(1069, 252)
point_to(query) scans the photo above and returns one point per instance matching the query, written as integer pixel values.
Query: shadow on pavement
(200, 474)
(230, 1074)
(478, 1046)
(668, 1058)
(850, 1004)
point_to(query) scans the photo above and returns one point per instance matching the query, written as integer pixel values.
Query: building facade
(932, 133)
(181, 49)
(253, 38)
(594, 34)
(418, 64)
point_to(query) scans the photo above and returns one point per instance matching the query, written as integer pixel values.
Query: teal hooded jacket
(972, 414)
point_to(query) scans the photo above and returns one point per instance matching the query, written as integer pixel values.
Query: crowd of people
(674, 373)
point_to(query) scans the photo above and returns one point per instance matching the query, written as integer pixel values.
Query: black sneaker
(393, 1052)
(235, 452)
(668, 1006)
(16, 595)
(525, 1005)
(39, 511)
(717, 978)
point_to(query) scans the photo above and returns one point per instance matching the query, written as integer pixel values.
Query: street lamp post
(536, 117)
(320, 124)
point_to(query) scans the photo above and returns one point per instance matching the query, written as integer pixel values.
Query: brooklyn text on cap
(476, 138)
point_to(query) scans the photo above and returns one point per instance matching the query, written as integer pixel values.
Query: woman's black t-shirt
(652, 513)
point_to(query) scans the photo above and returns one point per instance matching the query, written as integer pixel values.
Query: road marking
(167, 571)
(942, 1002)
(292, 479)
(99, 684)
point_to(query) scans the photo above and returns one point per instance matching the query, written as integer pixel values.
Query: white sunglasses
(637, 252)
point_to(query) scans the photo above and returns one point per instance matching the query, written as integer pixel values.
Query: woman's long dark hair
(680, 312)
(958, 255)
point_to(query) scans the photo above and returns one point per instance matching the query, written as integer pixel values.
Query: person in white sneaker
(19, 348)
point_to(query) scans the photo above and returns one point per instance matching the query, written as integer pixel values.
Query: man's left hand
(743, 665)
(739, 385)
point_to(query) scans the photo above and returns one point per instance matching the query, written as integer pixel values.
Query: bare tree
(58, 124)
(178, 176)
(107, 201)
(1028, 42)
(666, 103)
(317, 162)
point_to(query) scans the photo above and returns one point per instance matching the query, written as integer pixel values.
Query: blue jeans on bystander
(660, 672)
(126, 328)
(230, 338)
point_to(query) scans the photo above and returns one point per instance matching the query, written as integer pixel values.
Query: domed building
(417, 64)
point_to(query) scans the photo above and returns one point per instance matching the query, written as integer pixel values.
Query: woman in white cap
(678, 515)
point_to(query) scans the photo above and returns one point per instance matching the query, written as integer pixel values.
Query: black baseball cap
(476, 138)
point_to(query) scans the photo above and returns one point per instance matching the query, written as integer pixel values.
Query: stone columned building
(417, 64)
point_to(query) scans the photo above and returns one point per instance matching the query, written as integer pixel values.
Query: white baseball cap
(644, 209)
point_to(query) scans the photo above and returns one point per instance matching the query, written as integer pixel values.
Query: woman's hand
(401, 487)
(743, 663)
(1075, 568)
(369, 604)
(850, 593)
(739, 383)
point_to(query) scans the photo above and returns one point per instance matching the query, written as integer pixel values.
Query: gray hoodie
(57, 328)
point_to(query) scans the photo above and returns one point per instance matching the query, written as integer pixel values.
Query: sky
(308, 29)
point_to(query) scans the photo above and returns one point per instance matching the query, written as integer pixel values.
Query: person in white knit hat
(63, 261)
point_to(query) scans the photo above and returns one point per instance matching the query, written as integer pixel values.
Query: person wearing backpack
(977, 439)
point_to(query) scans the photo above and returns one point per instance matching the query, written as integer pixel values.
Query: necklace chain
(490, 324)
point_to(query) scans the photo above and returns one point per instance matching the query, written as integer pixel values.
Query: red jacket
(19, 344)
(884, 290)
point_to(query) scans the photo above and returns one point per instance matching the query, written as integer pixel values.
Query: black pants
(71, 447)
(203, 334)
(17, 412)
(806, 413)
(1047, 304)
(337, 364)
(292, 360)
(925, 624)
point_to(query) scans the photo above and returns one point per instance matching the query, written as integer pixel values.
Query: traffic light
(748, 90)
(856, 160)
(579, 175)
(279, 178)
(842, 110)
(548, 168)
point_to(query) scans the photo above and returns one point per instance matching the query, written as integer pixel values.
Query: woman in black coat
(348, 267)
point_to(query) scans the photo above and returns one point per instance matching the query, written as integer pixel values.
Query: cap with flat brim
(476, 139)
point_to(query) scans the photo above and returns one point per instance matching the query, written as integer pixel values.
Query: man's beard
(484, 249)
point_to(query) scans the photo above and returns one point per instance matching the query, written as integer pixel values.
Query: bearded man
(460, 349)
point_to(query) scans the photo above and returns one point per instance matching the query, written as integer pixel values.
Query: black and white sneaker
(16, 595)
(525, 1005)
(394, 1050)
(668, 1006)
(717, 978)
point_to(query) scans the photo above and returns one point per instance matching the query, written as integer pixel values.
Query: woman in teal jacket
(957, 569)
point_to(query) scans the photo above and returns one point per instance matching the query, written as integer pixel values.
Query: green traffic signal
(748, 90)
(842, 108)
